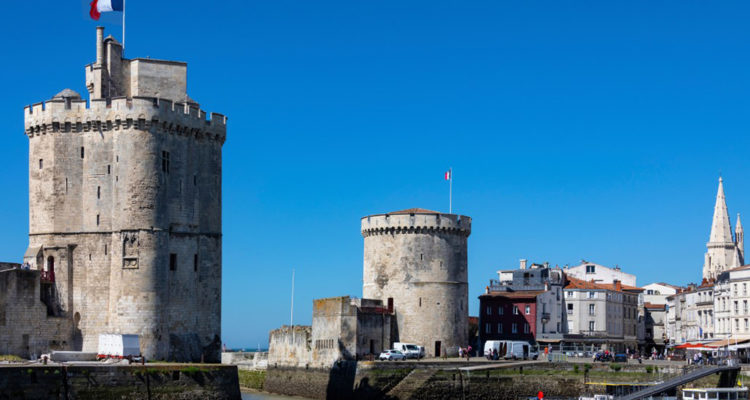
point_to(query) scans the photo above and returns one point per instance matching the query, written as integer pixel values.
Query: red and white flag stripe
(448, 175)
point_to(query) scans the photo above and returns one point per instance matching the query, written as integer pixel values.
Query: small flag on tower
(100, 6)
(448, 175)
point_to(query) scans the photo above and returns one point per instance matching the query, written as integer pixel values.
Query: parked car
(621, 357)
(603, 357)
(391, 355)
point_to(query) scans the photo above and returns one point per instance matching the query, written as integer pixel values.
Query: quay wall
(174, 381)
(441, 380)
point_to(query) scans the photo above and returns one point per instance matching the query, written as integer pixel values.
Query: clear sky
(576, 129)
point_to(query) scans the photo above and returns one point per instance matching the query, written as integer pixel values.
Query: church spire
(721, 230)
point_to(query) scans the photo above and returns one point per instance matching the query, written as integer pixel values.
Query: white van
(510, 349)
(411, 350)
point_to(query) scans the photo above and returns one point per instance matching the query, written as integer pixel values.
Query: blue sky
(584, 129)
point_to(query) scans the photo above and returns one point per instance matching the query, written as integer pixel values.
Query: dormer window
(591, 269)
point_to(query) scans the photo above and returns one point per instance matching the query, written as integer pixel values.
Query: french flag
(100, 6)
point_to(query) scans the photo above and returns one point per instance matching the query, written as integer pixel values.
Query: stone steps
(411, 383)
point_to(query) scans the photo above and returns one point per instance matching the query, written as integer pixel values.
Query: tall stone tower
(125, 207)
(723, 251)
(416, 262)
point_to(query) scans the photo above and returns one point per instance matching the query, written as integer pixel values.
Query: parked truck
(118, 346)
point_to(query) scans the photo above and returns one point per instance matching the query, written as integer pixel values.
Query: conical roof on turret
(721, 231)
(738, 225)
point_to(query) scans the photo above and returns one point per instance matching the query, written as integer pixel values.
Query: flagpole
(291, 316)
(450, 191)
(123, 27)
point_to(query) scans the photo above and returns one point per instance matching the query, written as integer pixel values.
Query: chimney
(523, 263)
(99, 45)
(618, 285)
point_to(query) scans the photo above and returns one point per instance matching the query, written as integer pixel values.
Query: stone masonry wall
(25, 328)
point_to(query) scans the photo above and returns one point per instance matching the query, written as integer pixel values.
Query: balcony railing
(47, 276)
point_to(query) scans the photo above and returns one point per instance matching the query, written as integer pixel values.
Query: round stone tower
(415, 260)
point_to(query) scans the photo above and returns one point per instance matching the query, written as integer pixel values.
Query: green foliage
(252, 379)
(649, 369)
(10, 357)
(615, 367)
(656, 369)
(575, 368)
(587, 367)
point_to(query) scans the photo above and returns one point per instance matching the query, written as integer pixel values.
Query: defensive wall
(26, 328)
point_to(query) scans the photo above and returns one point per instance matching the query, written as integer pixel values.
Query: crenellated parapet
(416, 222)
(74, 115)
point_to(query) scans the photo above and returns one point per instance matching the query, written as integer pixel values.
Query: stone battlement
(78, 115)
(382, 224)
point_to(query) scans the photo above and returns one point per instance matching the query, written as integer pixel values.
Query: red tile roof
(652, 306)
(575, 283)
(523, 294)
(414, 211)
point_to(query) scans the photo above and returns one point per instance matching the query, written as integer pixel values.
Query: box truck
(118, 346)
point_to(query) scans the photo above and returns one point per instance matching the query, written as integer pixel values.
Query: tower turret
(125, 205)
(739, 238)
(721, 251)
(415, 261)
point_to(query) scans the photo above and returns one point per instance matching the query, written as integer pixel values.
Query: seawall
(440, 380)
(136, 382)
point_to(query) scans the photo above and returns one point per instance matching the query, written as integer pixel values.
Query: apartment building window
(514, 328)
(515, 310)
(528, 310)
(744, 289)
(592, 295)
(487, 328)
(736, 324)
(526, 328)
(568, 294)
(746, 325)
(570, 308)
(592, 325)
(744, 306)
(734, 289)
(592, 309)
(590, 269)
(489, 310)
(500, 310)
(736, 307)
(499, 327)
(558, 327)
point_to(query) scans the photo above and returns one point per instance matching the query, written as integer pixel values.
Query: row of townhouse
(586, 307)
(717, 309)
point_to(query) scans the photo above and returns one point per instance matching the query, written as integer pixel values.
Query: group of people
(464, 352)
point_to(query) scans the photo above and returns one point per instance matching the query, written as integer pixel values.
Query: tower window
(82, 152)
(165, 161)
(173, 262)
(98, 192)
(97, 219)
(41, 163)
(195, 180)
(105, 249)
(195, 262)
(109, 169)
